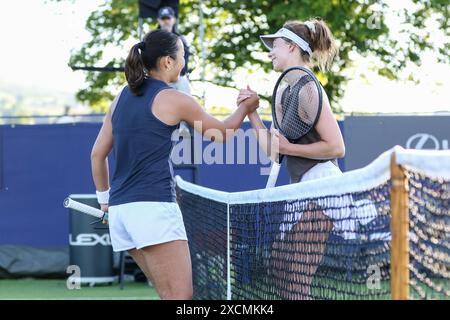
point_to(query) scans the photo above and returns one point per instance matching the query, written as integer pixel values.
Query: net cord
(433, 163)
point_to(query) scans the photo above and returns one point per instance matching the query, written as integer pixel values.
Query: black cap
(165, 12)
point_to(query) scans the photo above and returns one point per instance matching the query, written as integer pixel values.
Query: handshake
(248, 99)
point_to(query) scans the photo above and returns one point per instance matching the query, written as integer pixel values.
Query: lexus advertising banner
(366, 137)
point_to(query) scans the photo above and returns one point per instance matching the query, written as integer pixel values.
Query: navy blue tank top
(142, 147)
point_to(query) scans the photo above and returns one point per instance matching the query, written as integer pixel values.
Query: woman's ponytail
(134, 68)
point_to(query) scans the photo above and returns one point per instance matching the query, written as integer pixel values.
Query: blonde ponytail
(319, 38)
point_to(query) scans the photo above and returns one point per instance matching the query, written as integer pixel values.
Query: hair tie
(141, 45)
(311, 26)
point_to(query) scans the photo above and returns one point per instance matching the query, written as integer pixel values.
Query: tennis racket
(296, 107)
(81, 207)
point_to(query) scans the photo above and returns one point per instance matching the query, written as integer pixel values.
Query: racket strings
(308, 102)
(298, 104)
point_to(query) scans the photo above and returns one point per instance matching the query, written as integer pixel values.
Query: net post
(399, 231)
(228, 255)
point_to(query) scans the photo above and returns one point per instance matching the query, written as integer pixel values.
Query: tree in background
(232, 30)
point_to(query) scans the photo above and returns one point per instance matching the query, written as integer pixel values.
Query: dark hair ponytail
(134, 69)
(144, 56)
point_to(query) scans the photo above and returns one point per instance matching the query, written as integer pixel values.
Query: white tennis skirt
(141, 224)
(321, 170)
(345, 212)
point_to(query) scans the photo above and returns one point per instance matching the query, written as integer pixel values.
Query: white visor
(285, 33)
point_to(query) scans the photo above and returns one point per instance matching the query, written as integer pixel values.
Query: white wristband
(103, 196)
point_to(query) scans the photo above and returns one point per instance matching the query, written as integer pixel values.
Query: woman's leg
(296, 258)
(169, 268)
(309, 240)
(138, 257)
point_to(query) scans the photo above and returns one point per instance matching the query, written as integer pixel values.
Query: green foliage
(232, 30)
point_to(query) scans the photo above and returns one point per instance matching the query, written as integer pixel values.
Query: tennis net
(325, 239)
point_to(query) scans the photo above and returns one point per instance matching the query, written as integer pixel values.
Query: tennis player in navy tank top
(144, 218)
(141, 139)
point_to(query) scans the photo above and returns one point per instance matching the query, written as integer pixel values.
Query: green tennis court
(34, 289)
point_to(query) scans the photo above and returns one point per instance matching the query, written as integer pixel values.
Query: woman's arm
(262, 134)
(100, 151)
(183, 107)
(99, 155)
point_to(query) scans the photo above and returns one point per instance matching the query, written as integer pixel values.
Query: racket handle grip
(81, 207)
(272, 180)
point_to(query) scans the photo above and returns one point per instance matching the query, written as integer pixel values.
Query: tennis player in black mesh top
(313, 156)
